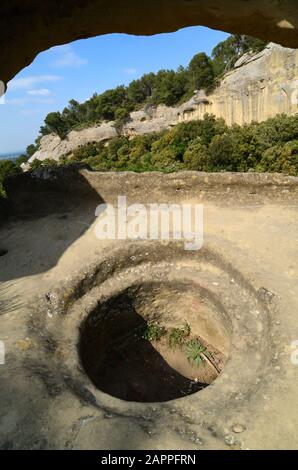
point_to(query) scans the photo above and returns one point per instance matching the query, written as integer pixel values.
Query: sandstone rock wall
(51, 146)
(259, 87)
(31, 26)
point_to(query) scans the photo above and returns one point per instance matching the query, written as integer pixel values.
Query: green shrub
(222, 154)
(122, 116)
(21, 159)
(169, 87)
(201, 73)
(196, 156)
(153, 332)
(203, 145)
(7, 167)
(177, 336)
(195, 352)
(281, 159)
(47, 163)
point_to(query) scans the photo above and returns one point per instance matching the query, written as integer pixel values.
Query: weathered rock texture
(52, 146)
(260, 86)
(56, 271)
(31, 26)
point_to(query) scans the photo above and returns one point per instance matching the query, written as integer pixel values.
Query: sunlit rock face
(259, 87)
(51, 146)
(31, 26)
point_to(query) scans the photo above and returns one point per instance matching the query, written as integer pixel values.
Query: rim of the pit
(218, 394)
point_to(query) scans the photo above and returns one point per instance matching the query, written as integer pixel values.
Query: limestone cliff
(259, 87)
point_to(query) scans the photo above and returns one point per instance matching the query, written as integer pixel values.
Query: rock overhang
(30, 27)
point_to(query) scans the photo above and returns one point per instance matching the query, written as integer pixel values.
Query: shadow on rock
(49, 209)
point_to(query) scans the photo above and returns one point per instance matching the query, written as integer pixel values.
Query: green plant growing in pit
(195, 352)
(153, 332)
(177, 336)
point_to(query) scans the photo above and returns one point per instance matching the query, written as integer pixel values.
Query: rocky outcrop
(52, 146)
(30, 27)
(260, 86)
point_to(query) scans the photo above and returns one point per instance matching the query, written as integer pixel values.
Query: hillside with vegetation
(166, 87)
(201, 145)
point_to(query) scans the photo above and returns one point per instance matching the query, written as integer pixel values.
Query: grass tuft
(153, 332)
(177, 336)
(195, 352)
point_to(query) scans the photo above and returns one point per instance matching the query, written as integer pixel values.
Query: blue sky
(79, 69)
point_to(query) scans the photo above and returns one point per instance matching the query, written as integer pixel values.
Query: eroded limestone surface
(30, 27)
(55, 271)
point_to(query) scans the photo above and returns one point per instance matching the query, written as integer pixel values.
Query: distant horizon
(11, 154)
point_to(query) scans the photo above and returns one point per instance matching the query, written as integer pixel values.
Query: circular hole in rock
(154, 343)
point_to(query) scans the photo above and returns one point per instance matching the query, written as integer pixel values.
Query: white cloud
(67, 57)
(130, 71)
(39, 92)
(25, 83)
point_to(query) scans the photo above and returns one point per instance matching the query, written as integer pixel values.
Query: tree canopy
(201, 145)
(168, 87)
